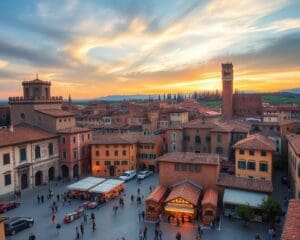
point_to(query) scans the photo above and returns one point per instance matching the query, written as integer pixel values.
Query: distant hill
(293, 90)
(117, 98)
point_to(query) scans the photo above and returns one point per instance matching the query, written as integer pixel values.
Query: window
(251, 152)
(174, 147)
(7, 179)
(97, 163)
(116, 153)
(107, 163)
(23, 154)
(64, 155)
(177, 167)
(263, 153)
(241, 165)
(207, 139)
(116, 163)
(74, 140)
(197, 168)
(124, 162)
(263, 166)
(174, 136)
(82, 137)
(219, 138)
(63, 140)
(50, 149)
(97, 153)
(6, 158)
(219, 150)
(75, 154)
(197, 140)
(82, 151)
(37, 152)
(88, 136)
(242, 151)
(23, 116)
(251, 166)
(124, 152)
(183, 167)
(107, 153)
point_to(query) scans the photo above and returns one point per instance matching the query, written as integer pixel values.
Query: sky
(106, 47)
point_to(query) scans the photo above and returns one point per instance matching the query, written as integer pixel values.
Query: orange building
(253, 156)
(2, 233)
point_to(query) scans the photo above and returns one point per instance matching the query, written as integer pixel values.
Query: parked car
(144, 174)
(128, 175)
(5, 206)
(17, 224)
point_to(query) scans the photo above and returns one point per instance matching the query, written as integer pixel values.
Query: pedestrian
(81, 229)
(94, 226)
(178, 236)
(150, 189)
(156, 234)
(141, 235)
(42, 199)
(32, 237)
(145, 232)
(270, 234)
(257, 236)
(140, 215)
(160, 234)
(58, 226)
(143, 216)
(38, 199)
(57, 197)
(199, 230)
(77, 234)
(138, 191)
(56, 208)
(92, 216)
(53, 219)
(85, 218)
(132, 199)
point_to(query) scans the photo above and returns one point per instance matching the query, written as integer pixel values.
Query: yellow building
(294, 163)
(2, 232)
(113, 154)
(253, 157)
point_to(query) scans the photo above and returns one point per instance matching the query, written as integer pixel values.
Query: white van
(128, 175)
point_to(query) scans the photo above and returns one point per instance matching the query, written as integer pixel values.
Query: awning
(237, 197)
(179, 209)
(86, 184)
(107, 186)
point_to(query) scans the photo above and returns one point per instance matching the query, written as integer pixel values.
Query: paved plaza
(125, 223)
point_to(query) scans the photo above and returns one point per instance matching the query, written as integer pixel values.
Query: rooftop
(210, 197)
(73, 130)
(257, 185)
(291, 229)
(22, 133)
(257, 142)
(190, 157)
(56, 112)
(125, 138)
(158, 194)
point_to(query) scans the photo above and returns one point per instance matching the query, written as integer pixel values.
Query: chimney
(11, 128)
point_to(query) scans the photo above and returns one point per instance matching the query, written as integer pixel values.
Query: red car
(5, 206)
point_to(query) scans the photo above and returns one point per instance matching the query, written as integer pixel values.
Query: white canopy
(106, 186)
(85, 184)
(237, 197)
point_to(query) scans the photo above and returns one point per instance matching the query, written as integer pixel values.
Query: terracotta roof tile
(125, 138)
(187, 191)
(257, 185)
(291, 229)
(23, 133)
(190, 157)
(210, 197)
(73, 130)
(257, 142)
(56, 112)
(158, 194)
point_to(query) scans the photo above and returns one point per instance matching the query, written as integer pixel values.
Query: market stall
(154, 203)
(108, 189)
(80, 189)
(209, 206)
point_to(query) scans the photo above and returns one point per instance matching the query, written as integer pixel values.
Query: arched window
(23, 116)
(50, 149)
(37, 151)
(174, 147)
(116, 153)
(197, 139)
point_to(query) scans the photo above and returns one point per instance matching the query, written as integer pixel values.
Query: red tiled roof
(73, 130)
(125, 138)
(190, 157)
(56, 112)
(291, 229)
(186, 191)
(158, 194)
(294, 140)
(257, 142)
(23, 133)
(257, 185)
(210, 197)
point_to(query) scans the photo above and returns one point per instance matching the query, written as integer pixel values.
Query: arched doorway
(64, 171)
(24, 181)
(38, 178)
(75, 171)
(51, 174)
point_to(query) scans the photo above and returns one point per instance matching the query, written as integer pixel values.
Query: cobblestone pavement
(110, 226)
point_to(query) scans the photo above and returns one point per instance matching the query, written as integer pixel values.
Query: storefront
(154, 203)
(234, 197)
(81, 188)
(182, 203)
(111, 188)
(209, 206)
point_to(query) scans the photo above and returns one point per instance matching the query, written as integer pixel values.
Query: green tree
(245, 212)
(271, 209)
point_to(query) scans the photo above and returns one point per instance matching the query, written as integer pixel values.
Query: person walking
(138, 191)
(132, 199)
(42, 199)
(77, 234)
(178, 236)
(145, 232)
(85, 218)
(81, 229)
(141, 236)
(94, 226)
(53, 219)
(57, 197)
(92, 216)
(139, 214)
(199, 230)
(159, 234)
(38, 199)
(156, 234)
(143, 215)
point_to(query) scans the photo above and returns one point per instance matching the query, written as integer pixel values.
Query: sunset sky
(99, 48)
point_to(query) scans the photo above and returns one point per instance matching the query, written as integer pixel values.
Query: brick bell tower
(227, 95)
